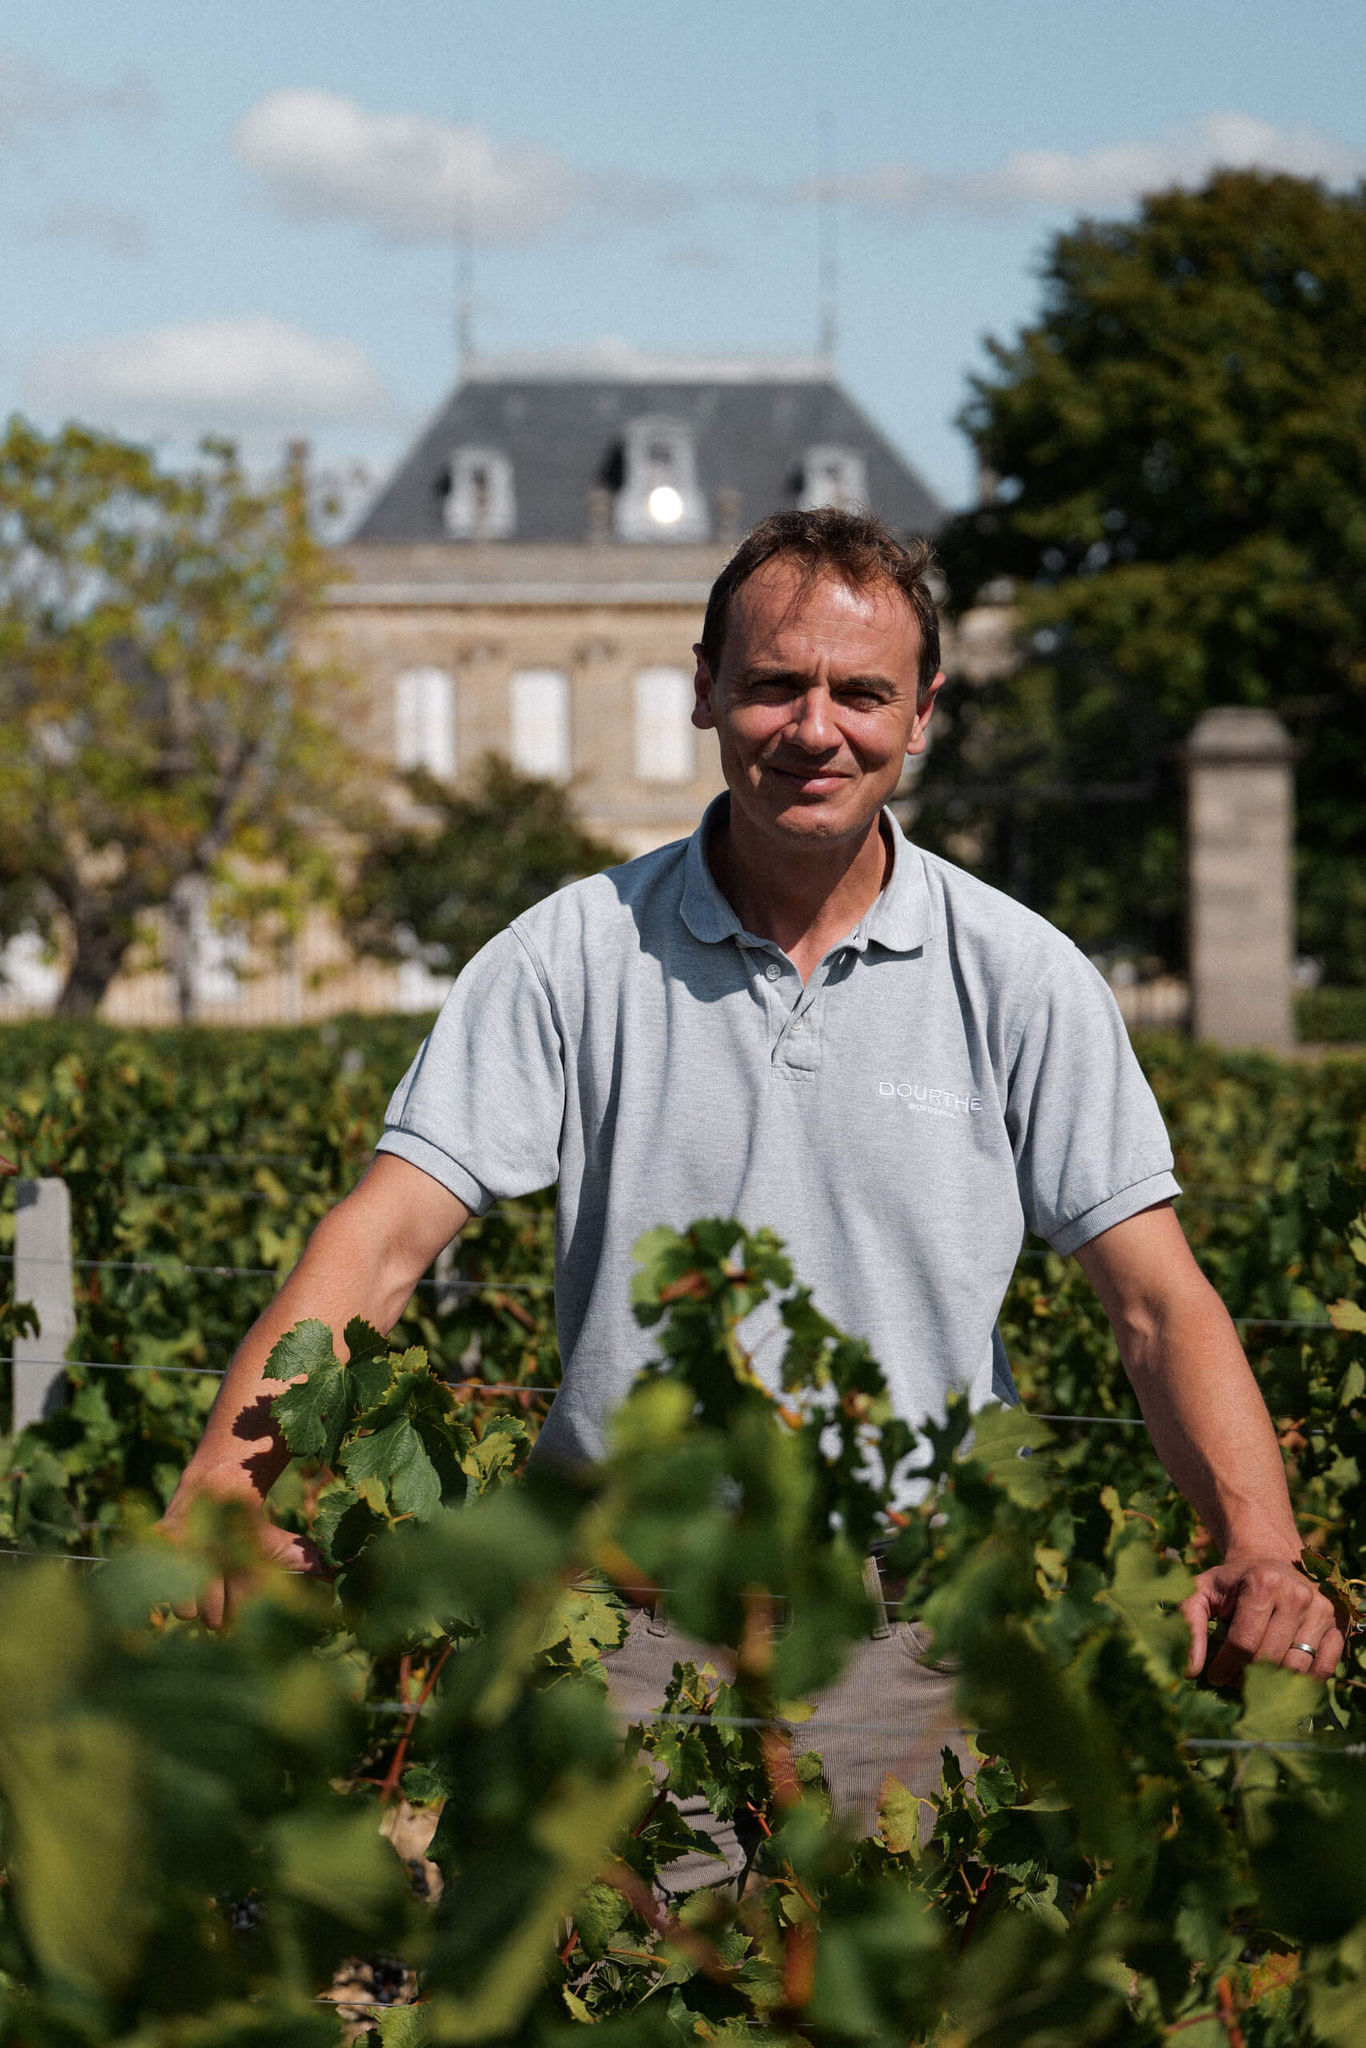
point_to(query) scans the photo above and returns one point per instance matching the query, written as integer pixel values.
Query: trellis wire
(818, 1725)
(1280, 1323)
(1352, 1749)
(1115, 1421)
(502, 1388)
(472, 1284)
(454, 1284)
(664, 1718)
(1296, 1745)
(521, 1387)
(213, 1372)
(203, 1372)
(61, 1556)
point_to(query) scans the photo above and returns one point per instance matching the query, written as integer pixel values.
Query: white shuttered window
(664, 732)
(424, 721)
(539, 717)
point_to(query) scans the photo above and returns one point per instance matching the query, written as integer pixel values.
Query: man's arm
(1210, 1428)
(364, 1259)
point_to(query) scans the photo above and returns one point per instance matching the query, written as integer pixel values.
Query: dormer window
(658, 497)
(833, 476)
(480, 502)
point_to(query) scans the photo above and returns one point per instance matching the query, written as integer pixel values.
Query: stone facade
(486, 613)
(602, 618)
(532, 579)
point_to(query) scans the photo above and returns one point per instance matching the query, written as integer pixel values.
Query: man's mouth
(812, 778)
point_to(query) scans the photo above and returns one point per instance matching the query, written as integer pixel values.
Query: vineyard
(396, 1805)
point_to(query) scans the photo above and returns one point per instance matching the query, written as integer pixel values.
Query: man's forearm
(241, 1453)
(363, 1260)
(1203, 1407)
(1210, 1427)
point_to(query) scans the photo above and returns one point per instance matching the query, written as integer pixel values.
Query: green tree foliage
(445, 883)
(163, 735)
(1180, 444)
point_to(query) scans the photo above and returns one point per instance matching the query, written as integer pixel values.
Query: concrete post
(42, 1275)
(1240, 833)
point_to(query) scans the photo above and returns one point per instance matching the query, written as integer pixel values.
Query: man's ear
(924, 707)
(703, 717)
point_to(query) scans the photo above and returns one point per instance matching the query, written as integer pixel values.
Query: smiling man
(993, 1050)
(799, 1019)
(817, 692)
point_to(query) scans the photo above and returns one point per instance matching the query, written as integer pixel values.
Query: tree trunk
(102, 937)
(183, 906)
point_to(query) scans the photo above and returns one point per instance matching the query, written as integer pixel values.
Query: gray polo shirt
(954, 1072)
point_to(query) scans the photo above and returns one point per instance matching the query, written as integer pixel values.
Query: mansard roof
(562, 422)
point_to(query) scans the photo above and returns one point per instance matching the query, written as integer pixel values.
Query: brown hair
(852, 545)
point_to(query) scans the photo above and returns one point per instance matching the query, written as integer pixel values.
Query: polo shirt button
(772, 971)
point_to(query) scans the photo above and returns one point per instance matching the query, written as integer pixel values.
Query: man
(797, 1018)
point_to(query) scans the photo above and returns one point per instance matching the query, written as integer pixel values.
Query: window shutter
(539, 717)
(424, 721)
(664, 732)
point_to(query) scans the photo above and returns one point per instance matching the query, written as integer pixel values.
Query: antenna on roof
(827, 249)
(464, 264)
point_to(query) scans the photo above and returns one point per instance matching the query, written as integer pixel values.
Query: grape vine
(200, 1832)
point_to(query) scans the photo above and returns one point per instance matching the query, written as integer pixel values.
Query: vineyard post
(1240, 850)
(43, 1276)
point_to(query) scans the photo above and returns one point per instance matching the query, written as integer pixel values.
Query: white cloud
(1111, 176)
(1114, 175)
(33, 95)
(243, 373)
(113, 230)
(405, 175)
(26, 97)
(622, 362)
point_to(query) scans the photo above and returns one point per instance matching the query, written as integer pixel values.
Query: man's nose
(814, 726)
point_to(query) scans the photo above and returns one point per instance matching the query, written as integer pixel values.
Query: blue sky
(240, 216)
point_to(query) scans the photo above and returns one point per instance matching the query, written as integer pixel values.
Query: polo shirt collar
(900, 920)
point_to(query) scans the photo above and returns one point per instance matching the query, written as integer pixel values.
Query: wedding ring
(1308, 1649)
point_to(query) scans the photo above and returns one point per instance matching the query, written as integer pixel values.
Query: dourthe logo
(933, 1101)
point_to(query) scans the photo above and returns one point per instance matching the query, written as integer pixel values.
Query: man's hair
(852, 545)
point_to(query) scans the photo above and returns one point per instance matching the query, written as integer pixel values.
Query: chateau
(530, 582)
(533, 577)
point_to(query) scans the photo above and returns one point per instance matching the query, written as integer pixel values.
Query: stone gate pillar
(1240, 838)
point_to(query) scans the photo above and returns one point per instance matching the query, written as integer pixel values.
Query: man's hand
(364, 1259)
(1275, 1615)
(224, 1593)
(1210, 1428)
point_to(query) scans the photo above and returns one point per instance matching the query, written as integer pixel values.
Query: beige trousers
(901, 1707)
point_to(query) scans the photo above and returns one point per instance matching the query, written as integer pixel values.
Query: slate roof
(562, 432)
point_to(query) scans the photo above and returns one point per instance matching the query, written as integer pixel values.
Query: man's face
(814, 703)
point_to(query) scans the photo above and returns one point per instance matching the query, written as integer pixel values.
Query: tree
(442, 885)
(163, 737)
(1180, 448)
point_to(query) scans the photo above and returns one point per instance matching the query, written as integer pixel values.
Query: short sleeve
(1090, 1145)
(482, 1106)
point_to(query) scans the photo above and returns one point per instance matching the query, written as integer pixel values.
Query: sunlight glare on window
(665, 505)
